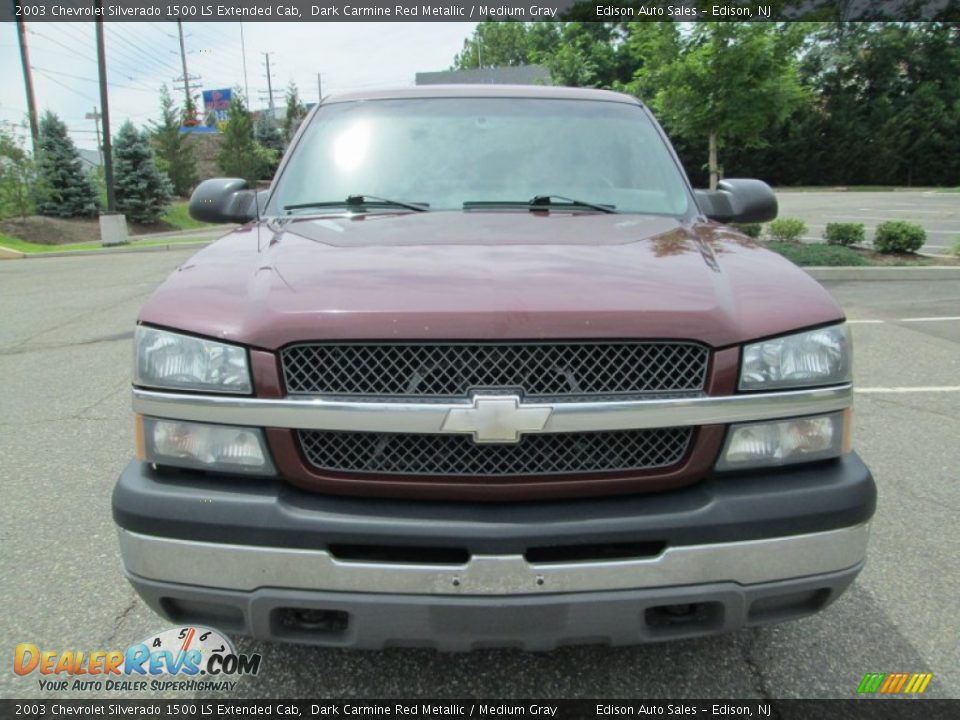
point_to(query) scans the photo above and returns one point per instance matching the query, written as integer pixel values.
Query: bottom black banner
(487, 709)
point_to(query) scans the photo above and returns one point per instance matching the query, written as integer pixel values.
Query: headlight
(224, 448)
(816, 357)
(784, 442)
(180, 362)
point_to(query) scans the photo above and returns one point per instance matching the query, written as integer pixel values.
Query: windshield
(445, 152)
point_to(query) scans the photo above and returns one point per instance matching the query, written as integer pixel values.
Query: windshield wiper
(359, 201)
(539, 202)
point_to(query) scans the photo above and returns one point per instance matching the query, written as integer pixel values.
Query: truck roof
(478, 90)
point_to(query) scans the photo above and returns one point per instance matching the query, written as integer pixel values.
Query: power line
(66, 87)
(125, 56)
(55, 41)
(79, 77)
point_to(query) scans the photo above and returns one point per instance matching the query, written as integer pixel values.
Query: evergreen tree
(295, 113)
(143, 192)
(173, 157)
(64, 189)
(266, 132)
(240, 154)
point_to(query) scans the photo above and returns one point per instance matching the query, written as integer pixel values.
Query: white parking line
(931, 319)
(928, 389)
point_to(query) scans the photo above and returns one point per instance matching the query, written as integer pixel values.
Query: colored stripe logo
(894, 683)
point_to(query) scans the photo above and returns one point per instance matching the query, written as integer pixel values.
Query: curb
(940, 272)
(8, 254)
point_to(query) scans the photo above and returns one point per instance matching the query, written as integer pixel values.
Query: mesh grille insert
(549, 369)
(535, 454)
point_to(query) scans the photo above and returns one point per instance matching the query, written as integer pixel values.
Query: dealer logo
(174, 659)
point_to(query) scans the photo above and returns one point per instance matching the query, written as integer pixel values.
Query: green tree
(890, 101)
(16, 176)
(268, 135)
(583, 54)
(240, 154)
(143, 192)
(494, 44)
(63, 189)
(722, 81)
(173, 156)
(294, 114)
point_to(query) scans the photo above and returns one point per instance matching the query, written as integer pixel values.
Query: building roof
(499, 75)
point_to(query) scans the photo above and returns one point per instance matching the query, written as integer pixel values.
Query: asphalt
(937, 212)
(66, 432)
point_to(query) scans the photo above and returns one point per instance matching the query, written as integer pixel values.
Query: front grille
(447, 370)
(459, 455)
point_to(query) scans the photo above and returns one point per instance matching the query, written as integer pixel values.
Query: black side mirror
(223, 200)
(739, 201)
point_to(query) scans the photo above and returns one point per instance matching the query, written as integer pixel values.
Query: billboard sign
(216, 102)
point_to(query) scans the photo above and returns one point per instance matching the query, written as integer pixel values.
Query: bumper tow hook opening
(329, 622)
(684, 617)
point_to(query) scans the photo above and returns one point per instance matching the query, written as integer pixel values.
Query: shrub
(16, 176)
(818, 254)
(898, 236)
(786, 230)
(750, 229)
(844, 233)
(955, 248)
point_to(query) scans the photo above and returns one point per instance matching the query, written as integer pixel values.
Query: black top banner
(467, 11)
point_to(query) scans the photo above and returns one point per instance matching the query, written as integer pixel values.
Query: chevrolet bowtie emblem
(500, 419)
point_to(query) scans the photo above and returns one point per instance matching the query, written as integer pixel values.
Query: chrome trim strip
(320, 413)
(247, 567)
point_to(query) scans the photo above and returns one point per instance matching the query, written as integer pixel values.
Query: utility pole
(105, 105)
(190, 110)
(188, 102)
(319, 89)
(28, 82)
(243, 54)
(95, 116)
(266, 57)
(113, 225)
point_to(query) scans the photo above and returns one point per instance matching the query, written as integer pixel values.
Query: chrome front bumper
(247, 567)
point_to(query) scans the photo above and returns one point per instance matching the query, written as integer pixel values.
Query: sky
(143, 56)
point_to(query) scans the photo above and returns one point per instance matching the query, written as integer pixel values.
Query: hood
(485, 275)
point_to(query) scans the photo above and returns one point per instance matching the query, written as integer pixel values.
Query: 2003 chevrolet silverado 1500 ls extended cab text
(482, 369)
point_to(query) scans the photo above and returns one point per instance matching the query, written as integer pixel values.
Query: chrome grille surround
(549, 369)
(460, 456)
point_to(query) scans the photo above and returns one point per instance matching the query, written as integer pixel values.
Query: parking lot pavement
(66, 431)
(937, 212)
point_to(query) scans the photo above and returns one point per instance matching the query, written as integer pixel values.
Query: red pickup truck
(481, 368)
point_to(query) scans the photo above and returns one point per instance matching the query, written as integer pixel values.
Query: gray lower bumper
(530, 622)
